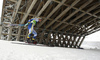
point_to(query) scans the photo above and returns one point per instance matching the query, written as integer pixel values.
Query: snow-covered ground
(13, 50)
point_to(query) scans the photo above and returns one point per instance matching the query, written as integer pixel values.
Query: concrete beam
(66, 10)
(72, 15)
(29, 10)
(80, 9)
(44, 7)
(0, 31)
(52, 12)
(16, 10)
(13, 0)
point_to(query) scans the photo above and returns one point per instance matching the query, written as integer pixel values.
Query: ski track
(10, 50)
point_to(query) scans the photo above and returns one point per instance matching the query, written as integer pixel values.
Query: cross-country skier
(31, 23)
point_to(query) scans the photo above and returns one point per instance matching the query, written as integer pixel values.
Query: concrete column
(10, 33)
(0, 31)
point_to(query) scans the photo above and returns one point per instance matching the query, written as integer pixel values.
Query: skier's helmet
(39, 18)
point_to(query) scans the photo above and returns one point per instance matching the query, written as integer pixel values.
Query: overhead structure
(65, 23)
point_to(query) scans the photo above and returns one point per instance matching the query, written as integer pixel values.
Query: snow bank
(19, 51)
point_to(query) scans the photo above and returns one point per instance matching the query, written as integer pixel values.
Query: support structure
(65, 23)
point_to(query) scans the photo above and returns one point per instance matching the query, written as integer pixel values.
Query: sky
(1, 1)
(92, 37)
(1, 7)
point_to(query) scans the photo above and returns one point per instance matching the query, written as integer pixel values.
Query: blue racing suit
(31, 23)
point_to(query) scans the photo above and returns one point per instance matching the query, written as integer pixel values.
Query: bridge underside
(64, 22)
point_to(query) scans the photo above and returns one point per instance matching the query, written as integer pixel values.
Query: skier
(31, 23)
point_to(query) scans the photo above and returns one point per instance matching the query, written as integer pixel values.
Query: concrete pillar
(0, 31)
(10, 33)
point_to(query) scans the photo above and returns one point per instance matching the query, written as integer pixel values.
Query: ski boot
(33, 41)
(28, 41)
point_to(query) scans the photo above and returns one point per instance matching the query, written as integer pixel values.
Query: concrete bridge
(65, 23)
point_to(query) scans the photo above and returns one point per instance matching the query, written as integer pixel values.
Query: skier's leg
(34, 37)
(29, 34)
(35, 34)
(28, 37)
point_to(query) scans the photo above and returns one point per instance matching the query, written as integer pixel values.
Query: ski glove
(25, 24)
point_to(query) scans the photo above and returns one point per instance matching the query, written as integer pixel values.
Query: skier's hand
(24, 26)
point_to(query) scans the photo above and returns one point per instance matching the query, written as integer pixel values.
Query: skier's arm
(27, 23)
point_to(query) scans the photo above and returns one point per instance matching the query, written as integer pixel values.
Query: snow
(14, 50)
